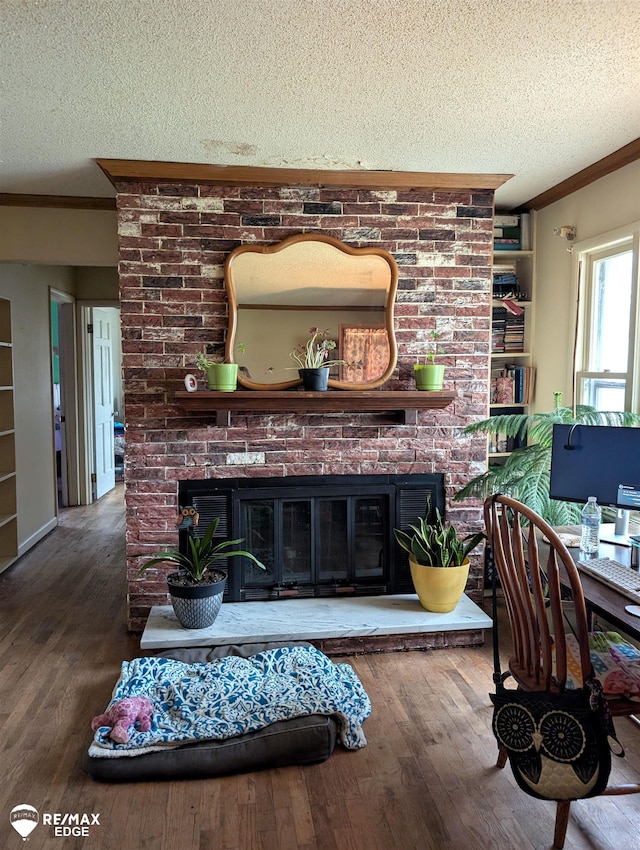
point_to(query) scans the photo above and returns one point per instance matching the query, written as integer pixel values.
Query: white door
(104, 464)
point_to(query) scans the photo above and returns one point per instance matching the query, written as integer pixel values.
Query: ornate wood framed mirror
(278, 292)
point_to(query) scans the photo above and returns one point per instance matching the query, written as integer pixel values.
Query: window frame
(587, 253)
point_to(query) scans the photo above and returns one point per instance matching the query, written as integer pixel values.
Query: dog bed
(305, 739)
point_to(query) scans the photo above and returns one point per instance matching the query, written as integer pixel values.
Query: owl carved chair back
(529, 574)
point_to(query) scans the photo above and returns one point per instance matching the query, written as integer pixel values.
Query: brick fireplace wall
(173, 241)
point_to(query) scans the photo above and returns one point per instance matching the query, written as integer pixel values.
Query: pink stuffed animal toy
(124, 713)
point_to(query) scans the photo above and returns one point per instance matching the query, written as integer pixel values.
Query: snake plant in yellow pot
(439, 561)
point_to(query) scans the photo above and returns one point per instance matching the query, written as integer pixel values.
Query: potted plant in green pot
(311, 358)
(197, 587)
(439, 561)
(221, 376)
(429, 375)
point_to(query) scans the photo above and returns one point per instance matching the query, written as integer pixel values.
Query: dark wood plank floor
(426, 780)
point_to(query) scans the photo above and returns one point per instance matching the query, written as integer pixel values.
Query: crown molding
(607, 165)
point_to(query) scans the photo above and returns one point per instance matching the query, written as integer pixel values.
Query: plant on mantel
(221, 375)
(429, 375)
(312, 360)
(314, 353)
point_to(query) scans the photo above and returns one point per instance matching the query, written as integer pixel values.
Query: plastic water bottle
(591, 517)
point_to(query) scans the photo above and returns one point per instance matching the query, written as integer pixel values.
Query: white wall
(27, 288)
(608, 203)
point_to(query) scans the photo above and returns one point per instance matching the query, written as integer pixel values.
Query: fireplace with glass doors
(329, 535)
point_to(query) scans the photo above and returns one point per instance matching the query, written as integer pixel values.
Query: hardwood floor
(426, 780)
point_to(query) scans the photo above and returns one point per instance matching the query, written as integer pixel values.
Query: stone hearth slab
(313, 620)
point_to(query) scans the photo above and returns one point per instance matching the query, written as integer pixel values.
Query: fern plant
(526, 472)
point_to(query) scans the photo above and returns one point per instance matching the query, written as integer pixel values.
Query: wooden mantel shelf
(405, 403)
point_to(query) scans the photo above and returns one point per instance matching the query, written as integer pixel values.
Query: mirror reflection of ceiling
(311, 273)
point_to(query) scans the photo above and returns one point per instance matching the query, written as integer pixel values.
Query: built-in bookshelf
(512, 362)
(8, 509)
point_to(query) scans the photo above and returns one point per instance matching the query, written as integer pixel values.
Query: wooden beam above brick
(246, 175)
(72, 202)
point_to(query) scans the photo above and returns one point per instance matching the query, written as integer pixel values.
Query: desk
(599, 598)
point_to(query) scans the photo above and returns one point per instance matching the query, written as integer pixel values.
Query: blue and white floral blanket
(230, 696)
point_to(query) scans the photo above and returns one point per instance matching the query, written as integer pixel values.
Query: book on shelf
(503, 389)
(505, 281)
(512, 384)
(498, 321)
(529, 384)
(512, 232)
(500, 442)
(507, 233)
(514, 332)
(526, 238)
(513, 307)
(502, 244)
(507, 328)
(506, 220)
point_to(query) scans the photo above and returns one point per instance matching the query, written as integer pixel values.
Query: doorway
(63, 381)
(103, 401)
(104, 433)
(86, 397)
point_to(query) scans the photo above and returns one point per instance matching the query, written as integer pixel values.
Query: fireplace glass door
(339, 543)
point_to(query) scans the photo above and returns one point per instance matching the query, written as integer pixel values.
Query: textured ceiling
(539, 89)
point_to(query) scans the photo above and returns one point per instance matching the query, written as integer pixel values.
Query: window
(608, 362)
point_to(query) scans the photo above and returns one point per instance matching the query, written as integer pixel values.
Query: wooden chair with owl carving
(547, 654)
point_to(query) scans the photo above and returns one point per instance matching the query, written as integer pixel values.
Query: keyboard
(615, 575)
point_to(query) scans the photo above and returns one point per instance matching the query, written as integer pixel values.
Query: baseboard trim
(37, 536)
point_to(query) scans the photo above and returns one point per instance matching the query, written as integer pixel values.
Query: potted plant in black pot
(197, 587)
(312, 359)
(439, 561)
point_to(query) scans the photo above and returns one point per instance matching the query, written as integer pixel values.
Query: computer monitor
(601, 461)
